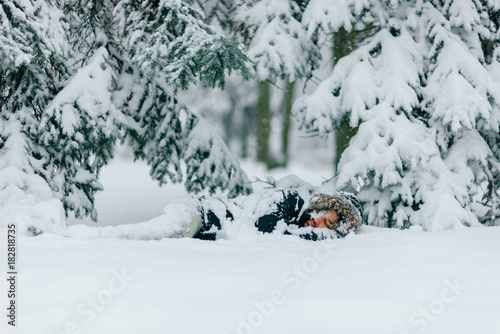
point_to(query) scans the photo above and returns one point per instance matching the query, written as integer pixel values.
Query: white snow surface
(377, 281)
(92, 280)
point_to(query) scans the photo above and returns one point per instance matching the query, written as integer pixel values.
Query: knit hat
(347, 207)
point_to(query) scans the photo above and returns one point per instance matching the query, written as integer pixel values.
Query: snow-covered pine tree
(80, 125)
(153, 49)
(218, 12)
(426, 105)
(135, 57)
(466, 98)
(170, 47)
(59, 107)
(164, 133)
(170, 38)
(491, 197)
(490, 41)
(32, 51)
(277, 42)
(209, 163)
(79, 128)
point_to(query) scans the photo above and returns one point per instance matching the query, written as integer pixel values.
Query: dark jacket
(283, 205)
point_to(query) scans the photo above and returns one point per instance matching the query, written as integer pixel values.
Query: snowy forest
(407, 93)
(323, 166)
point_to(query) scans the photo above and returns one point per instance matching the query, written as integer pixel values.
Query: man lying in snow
(280, 211)
(324, 216)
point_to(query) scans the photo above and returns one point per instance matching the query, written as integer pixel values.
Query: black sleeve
(288, 209)
(210, 225)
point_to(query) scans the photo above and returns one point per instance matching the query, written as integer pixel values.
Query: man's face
(322, 219)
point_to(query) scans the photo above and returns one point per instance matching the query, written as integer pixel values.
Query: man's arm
(210, 222)
(288, 210)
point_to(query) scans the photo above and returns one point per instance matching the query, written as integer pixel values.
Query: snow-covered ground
(376, 281)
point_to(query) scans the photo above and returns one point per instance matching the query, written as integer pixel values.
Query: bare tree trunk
(263, 123)
(287, 115)
(343, 136)
(248, 128)
(344, 43)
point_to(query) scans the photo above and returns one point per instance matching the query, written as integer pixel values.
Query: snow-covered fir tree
(171, 38)
(170, 47)
(277, 42)
(78, 129)
(218, 12)
(32, 51)
(421, 91)
(76, 76)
